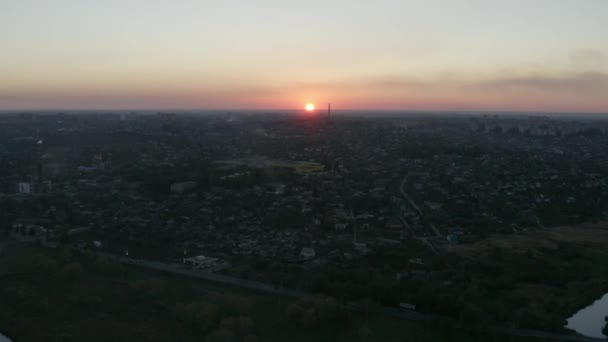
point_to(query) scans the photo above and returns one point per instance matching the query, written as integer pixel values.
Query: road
(407, 197)
(413, 204)
(416, 208)
(419, 238)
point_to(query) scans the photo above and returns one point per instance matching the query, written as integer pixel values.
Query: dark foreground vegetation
(65, 295)
(532, 280)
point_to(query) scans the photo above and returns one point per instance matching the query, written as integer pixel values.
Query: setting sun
(310, 107)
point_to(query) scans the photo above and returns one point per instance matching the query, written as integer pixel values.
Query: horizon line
(319, 110)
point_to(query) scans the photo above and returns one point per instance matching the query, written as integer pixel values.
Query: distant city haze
(518, 55)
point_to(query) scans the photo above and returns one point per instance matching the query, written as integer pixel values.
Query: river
(589, 321)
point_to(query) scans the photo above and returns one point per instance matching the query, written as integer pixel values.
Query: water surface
(589, 321)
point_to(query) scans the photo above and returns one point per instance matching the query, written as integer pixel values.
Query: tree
(109, 266)
(62, 234)
(208, 316)
(250, 338)
(365, 333)
(241, 326)
(72, 270)
(294, 313)
(185, 312)
(369, 306)
(45, 264)
(151, 287)
(319, 312)
(236, 305)
(222, 336)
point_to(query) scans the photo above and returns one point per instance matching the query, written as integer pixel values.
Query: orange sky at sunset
(392, 55)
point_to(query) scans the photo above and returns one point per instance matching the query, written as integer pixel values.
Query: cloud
(516, 90)
(589, 57)
(589, 82)
(593, 82)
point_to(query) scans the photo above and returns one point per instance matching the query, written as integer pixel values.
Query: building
(307, 253)
(31, 232)
(202, 262)
(24, 188)
(407, 306)
(183, 187)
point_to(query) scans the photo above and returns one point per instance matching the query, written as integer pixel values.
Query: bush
(184, 312)
(222, 336)
(241, 326)
(316, 312)
(294, 313)
(45, 264)
(150, 287)
(365, 333)
(209, 316)
(85, 301)
(36, 305)
(204, 315)
(235, 305)
(250, 338)
(109, 266)
(72, 270)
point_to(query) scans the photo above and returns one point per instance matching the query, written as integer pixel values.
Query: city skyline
(391, 55)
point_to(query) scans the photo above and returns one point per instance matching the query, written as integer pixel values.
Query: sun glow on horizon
(112, 57)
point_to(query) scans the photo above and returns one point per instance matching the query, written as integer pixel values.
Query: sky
(516, 55)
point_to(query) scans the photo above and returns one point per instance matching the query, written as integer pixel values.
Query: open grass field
(551, 273)
(594, 235)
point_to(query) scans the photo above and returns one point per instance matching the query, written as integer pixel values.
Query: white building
(202, 262)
